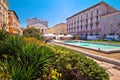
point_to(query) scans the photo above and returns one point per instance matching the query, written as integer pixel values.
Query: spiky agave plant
(3, 35)
(25, 61)
(4, 74)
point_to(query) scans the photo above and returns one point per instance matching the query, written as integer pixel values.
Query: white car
(92, 38)
(112, 38)
(108, 39)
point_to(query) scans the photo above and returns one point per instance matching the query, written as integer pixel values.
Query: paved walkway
(113, 73)
(112, 70)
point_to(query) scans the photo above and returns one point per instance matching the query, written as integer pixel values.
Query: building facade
(110, 24)
(4, 15)
(14, 23)
(87, 22)
(38, 24)
(58, 29)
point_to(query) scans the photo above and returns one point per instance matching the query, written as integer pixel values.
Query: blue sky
(55, 11)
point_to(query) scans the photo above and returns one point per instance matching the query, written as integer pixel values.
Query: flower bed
(31, 59)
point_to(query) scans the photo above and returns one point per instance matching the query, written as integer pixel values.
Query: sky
(54, 11)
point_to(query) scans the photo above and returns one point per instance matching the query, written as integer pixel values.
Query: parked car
(83, 38)
(108, 39)
(92, 37)
(112, 38)
(116, 37)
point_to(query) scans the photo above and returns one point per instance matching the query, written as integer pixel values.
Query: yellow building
(4, 15)
(14, 23)
(58, 29)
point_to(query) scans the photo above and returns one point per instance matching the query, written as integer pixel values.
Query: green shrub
(75, 37)
(25, 61)
(33, 32)
(75, 66)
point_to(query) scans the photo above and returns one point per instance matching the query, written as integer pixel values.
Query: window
(119, 16)
(97, 18)
(111, 20)
(97, 33)
(74, 27)
(91, 20)
(81, 27)
(77, 18)
(81, 34)
(105, 19)
(86, 21)
(86, 15)
(118, 25)
(91, 13)
(42, 31)
(81, 17)
(111, 26)
(74, 19)
(104, 27)
(86, 27)
(97, 11)
(91, 27)
(91, 33)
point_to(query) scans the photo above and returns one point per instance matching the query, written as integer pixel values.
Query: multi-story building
(87, 22)
(14, 23)
(4, 15)
(58, 29)
(38, 24)
(110, 24)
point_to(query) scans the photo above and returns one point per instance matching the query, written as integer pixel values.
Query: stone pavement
(113, 73)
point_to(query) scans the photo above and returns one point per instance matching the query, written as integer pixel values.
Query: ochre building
(58, 29)
(14, 23)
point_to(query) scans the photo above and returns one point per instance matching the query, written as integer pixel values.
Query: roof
(14, 13)
(6, 2)
(37, 19)
(110, 13)
(102, 2)
(38, 25)
(58, 24)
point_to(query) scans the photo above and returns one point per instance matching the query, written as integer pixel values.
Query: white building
(38, 24)
(87, 22)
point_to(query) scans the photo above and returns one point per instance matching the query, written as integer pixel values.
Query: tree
(75, 37)
(33, 32)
